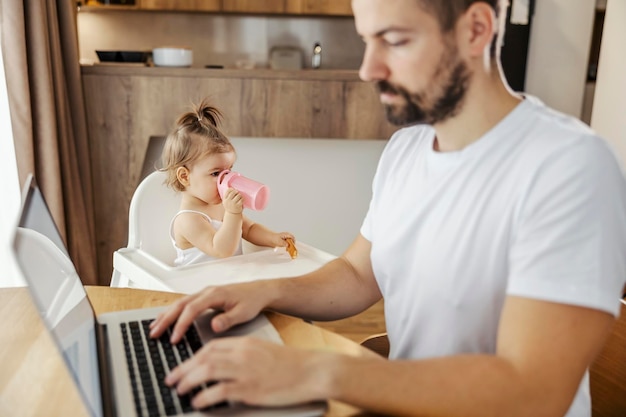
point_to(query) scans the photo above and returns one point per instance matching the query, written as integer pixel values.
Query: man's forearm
(333, 292)
(543, 350)
(467, 386)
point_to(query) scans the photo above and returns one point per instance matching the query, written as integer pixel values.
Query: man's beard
(442, 99)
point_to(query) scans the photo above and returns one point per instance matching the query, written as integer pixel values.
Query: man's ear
(182, 174)
(477, 28)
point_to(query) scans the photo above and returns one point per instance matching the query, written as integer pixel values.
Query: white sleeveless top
(194, 255)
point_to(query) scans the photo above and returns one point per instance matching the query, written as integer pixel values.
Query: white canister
(172, 57)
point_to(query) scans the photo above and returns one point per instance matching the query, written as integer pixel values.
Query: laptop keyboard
(149, 360)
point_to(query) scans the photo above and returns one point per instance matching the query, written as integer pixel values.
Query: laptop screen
(58, 293)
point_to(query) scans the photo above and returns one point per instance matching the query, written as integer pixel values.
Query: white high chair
(152, 207)
(147, 261)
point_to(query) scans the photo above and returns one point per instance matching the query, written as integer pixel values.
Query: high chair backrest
(152, 208)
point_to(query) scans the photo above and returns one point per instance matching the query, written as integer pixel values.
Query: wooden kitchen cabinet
(181, 5)
(319, 7)
(253, 6)
(290, 7)
(277, 7)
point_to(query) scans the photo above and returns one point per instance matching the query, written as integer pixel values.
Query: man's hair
(447, 13)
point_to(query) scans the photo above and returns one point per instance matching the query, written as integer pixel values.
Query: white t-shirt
(194, 255)
(535, 208)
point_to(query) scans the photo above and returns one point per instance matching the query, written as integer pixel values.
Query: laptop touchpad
(259, 327)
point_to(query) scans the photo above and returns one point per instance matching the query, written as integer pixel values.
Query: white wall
(608, 117)
(558, 53)
(319, 188)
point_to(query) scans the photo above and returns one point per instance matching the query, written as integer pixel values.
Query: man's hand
(253, 372)
(239, 303)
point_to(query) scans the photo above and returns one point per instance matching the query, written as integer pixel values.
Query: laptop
(116, 367)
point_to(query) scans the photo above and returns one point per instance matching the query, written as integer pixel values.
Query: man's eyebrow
(386, 30)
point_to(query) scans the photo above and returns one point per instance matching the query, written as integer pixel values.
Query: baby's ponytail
(203, 115)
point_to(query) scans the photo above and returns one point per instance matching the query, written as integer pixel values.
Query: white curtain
(9, 190)
(44, 89)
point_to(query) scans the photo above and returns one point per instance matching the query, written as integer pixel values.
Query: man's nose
(373, 67)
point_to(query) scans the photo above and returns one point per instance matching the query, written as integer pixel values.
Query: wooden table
(35, 382)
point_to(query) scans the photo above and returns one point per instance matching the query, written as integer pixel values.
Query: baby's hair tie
(199, 118)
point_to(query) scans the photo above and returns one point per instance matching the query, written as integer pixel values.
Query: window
(9, 190)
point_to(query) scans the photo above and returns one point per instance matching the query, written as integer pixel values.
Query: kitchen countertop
(258, 73)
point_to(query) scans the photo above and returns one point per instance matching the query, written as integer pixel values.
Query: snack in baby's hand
(291, 248)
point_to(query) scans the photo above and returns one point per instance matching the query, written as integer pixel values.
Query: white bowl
(172, 57)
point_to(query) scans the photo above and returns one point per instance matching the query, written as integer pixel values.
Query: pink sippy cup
(255, 195)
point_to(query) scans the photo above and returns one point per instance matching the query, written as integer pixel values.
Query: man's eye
(396, 42)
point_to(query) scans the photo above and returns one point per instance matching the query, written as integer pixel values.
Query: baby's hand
(290, 243)
(282, 239)
(233, 201)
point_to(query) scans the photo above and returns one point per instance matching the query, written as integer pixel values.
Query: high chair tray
(266, 263)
